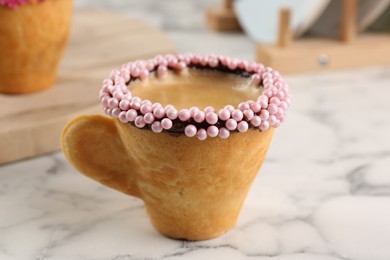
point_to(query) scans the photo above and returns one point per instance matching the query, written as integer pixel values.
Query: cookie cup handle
(93, 146)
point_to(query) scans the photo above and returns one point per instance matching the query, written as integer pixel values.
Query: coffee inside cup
(197, 87)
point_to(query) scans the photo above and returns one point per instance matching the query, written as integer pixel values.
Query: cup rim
(267, 111)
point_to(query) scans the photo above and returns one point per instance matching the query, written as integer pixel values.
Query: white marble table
(322, 194)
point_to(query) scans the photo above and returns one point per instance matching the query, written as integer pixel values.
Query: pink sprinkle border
(12, 4)
(267, 111)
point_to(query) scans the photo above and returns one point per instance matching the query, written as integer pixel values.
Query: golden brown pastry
(191, 154)
(33, 37)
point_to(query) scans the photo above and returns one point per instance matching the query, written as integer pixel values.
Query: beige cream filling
(195, 87)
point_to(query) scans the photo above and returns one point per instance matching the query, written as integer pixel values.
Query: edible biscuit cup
(32, 40)
(191, 164)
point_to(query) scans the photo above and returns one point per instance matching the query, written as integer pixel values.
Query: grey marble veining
(322, 194)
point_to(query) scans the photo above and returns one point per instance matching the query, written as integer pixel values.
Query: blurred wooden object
(320, 54)
(284, 33)
(348, 21)
(31, 124)
(222, 18)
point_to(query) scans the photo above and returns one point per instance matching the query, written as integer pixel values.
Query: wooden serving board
(31, 124)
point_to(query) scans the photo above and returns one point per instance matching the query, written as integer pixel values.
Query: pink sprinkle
(122, 117)
(118, 94)
(243, 65)
(102, 94)
(256, 78)
(156, 127)
(107, 82)
(144, 74)
(223, 60)
(190, 130)
(223, 133)
(264, 114)
(277, 124)
(131, 115)
(172, 63)
(209, 109)
(172, 113)
(257, 67)
(272, 108)
(155, 105)
(107, 88)
(272, 120)
(242, 126)
(108, 111)
(249, 67)
(187, 60)
(124, 104)
(280, 113)
(166, 123)
(146, 102)
(211, 118)
(237, 115)
(114, 74)
(288, 101)
(243, 106)
(127, 96)
(282, 118)
(149, 118)
(184, 114)
(268, 81)
(275, 100)
(139, 122)
(264, 126)
(199, 116)
(181, 65)
(279, 85)
(135, 104)
(224, 114)
(201, 134)
(167, 107)
(125, 72)
(212, 131)
(204, 61)
(255, 107)
(150, 66)
(213, 63)
(248, 114)
(231, 124)
(106, 99)
(115, 112)
(280, 95)
(230, 108)
(232, 64)
(283, 105)
(240, 64)
(159, 112)
(136, 99)
(193, 110)
(135, 72)
(113, 103)
(119, 80)
(268, 92)
(161, 70)
(195, 59)
(266, 75)
(146, 108)
(256, 121)
(263, 100)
